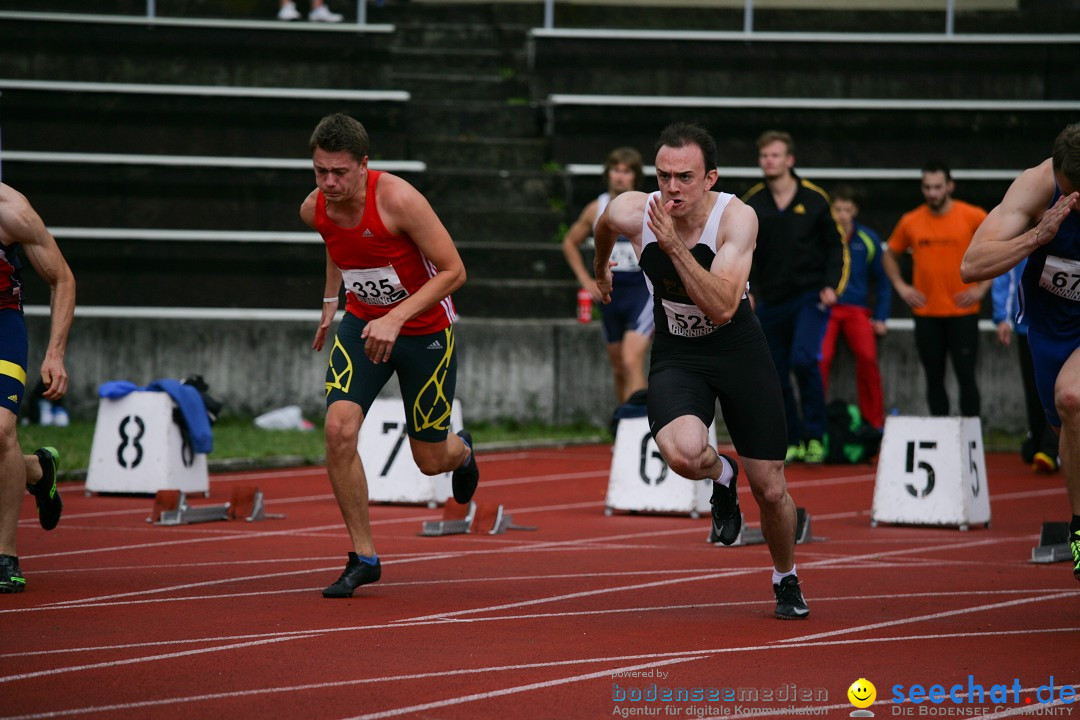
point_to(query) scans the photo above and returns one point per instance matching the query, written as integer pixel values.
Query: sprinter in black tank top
(696, 246)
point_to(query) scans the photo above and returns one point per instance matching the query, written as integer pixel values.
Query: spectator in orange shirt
(946, 309)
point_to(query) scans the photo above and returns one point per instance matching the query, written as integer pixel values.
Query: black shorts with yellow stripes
(426, 366)
(13, 354)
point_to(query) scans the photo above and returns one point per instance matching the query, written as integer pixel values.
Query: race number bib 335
(687, 320)
(375, 286)
(1061, 276)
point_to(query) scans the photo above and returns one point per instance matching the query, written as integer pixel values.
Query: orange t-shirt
(938, 244)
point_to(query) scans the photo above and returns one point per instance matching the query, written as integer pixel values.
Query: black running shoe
(356, 574)
(11, 579)
(466, 478)
(789, 600)
(726, 516)
(45, 492)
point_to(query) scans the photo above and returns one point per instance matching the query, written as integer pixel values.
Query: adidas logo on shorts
(435, 346)
(13, 398)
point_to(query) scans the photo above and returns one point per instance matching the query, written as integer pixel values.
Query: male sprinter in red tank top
(399, 266)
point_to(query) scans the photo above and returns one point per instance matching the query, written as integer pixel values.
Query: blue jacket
(186, 398)
(865, 249)
(1003, 296)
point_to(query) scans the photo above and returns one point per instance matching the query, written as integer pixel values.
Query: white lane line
(291, 689)
(607, 672)
(709, 576)
(271, 533)
(309, 471)
(1034, 708)
(139, 660)
(85, 602)
(571, 596)
(547, 478)
(930, 616)
(577, 544)
(1026, 494)
(100, 601)
(172, 543)
(684, 655)
(590, 676)
(516, 617)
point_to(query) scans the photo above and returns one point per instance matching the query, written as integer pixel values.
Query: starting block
(171, 508)
(1053, 544)
(476, 519)
(754, 536)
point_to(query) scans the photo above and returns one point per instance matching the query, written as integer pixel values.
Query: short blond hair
(770, 136)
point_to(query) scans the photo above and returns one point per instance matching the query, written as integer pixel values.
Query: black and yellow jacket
(799, 248)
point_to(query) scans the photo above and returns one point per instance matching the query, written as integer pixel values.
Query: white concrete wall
(552, 372)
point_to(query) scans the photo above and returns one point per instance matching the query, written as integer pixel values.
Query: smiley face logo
(862, 693)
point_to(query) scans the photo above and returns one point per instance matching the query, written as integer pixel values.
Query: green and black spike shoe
(11, 579)
(45, 492)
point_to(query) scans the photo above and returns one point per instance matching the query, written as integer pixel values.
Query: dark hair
(1066, 155)
(845, 192)
(339, 132)
(770, 136)
(629, 157)
(681, 134)
(935, 166)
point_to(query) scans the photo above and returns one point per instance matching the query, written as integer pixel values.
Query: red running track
(123, 619)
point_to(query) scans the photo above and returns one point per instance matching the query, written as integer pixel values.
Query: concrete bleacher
(792, 65)
(118, 48)
(169, 154)
(853, 132)
(166, 118)
(164, 143)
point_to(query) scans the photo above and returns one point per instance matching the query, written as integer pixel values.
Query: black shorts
(734, 366)
(426, 366)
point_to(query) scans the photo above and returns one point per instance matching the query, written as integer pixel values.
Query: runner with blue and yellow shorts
(1039, 219)
(22, 229)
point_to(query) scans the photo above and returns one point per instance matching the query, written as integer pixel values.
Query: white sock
(777, 576)
(727, 473)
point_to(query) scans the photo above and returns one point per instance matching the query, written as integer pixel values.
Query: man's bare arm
(571, 247)
(20, 223)
(1017, 226)
(719, 289)
(623, 216)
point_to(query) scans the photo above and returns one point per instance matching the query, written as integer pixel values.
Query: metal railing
(748, 15)
(549, 14)
(361, 11)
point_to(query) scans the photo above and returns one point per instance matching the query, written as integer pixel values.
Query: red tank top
(379, 269)
(10, 281)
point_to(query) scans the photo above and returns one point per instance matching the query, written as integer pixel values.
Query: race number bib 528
(685, 320)
(375, 286)
(1061, 276)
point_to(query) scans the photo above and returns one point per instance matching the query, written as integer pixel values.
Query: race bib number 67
(375, 286)
(1061, 276)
